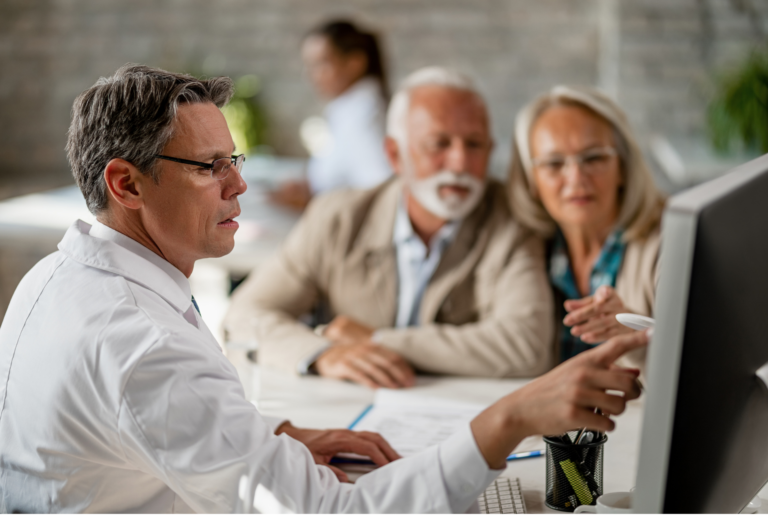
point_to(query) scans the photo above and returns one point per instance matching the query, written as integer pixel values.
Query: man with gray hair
(115, 397)
(427, 272)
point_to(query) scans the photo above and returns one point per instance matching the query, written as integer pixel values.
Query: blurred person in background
(346, 68)
(427, 271)
(579, 180)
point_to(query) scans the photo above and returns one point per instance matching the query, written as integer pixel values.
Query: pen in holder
(574, 470)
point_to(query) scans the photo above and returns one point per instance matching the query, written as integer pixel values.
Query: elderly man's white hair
(429, 76)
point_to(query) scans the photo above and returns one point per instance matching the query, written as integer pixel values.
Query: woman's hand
(594, 318)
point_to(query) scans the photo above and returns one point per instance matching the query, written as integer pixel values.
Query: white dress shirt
(114, 396)
(354, 155)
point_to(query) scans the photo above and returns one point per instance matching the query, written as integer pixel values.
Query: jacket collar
(462, 255)
(379, 224)
(117, 254)
(377, 230)
(459, 258)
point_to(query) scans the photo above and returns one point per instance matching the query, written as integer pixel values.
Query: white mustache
(453, 207)
(446, 178)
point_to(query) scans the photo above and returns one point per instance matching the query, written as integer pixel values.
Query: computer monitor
(704, 444)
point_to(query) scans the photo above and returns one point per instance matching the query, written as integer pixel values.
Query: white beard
(451, 207)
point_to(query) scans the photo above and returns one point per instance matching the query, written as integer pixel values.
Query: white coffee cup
(614, 502)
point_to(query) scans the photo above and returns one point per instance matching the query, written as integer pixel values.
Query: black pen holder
(574, 472)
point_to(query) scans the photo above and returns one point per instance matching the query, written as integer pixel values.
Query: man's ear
(125, 183)
(392, 149)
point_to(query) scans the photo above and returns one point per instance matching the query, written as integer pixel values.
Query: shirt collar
(101, 247)
(604, 271)
(99, 230)
(404, 233)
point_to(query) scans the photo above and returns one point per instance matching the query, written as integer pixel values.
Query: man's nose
(235, 186)
(456, 158)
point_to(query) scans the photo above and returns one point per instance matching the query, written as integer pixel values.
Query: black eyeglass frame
(207, 166)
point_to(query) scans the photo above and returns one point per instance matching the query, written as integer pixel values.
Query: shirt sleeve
(305, 363)
(184, 420)
(465, 472)
(273, 422)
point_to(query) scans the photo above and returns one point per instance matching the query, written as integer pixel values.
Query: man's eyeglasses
(592, 161)
(219, 168)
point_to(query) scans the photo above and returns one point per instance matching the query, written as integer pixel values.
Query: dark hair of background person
(347, 38)
(131, 116)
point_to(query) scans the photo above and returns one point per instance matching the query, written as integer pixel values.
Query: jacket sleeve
(514, 334)
(636, 286)
(186, 422)
(266, 308)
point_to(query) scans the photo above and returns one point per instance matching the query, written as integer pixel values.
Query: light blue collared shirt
(416, 263)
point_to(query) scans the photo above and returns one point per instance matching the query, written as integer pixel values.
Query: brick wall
(669, 51)
(660, 56)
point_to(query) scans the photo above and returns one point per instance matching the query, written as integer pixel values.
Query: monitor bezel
(679, 227)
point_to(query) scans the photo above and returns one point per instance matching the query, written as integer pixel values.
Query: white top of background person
(114, 397)
(346, 68)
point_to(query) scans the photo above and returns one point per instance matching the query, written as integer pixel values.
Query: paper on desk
(411, 423)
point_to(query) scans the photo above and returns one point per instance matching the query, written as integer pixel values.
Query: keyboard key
(503, 496)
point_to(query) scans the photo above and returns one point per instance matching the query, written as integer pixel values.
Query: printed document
(411, 423)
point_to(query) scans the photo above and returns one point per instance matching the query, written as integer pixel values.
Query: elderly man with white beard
(427, 272)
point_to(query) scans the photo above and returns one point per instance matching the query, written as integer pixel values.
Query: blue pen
(523, 455)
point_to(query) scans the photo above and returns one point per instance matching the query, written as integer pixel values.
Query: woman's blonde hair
(640, 202)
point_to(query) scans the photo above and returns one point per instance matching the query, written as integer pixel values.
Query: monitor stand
(756, 504)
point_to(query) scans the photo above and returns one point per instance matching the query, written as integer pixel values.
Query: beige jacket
(639, 274)
(485, 312)
(636, 286)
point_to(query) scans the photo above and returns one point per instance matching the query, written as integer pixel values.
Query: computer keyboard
(503, 496)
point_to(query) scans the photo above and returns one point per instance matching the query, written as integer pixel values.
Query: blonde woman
(578, 179)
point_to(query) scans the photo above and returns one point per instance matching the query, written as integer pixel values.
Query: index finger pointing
(616, 347)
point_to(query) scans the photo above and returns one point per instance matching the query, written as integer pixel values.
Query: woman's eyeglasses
(592, 161)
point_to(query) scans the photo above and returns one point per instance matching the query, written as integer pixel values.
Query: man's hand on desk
(561, 400)
(354, 357)
(346, 331)
(325, 444)
(366, 363)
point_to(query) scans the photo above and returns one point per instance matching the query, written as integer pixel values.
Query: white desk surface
(316, 402)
